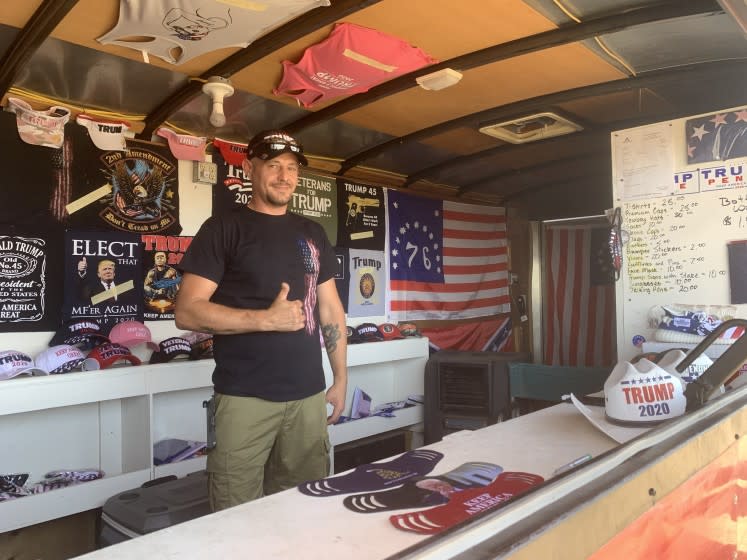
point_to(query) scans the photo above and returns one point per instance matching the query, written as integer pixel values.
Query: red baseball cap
(390, 331)
(107, 355)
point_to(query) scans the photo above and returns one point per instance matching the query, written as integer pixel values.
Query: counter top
(292, 525)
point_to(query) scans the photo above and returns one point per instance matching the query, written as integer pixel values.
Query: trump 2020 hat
(84, 332)
(643, 394)
(106, 355)
(390, 331)
(62, 358)
(270, 143)
(132, 333)
(184, 146)
(14, 363)
(368, 332)
(170, 348)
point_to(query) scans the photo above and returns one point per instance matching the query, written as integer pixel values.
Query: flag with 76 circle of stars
(447, 260)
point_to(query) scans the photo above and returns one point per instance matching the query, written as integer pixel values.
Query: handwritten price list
(667, 249)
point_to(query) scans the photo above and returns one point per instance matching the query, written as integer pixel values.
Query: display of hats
(82, 332)
(409, 330)
(390, 331)
(368, 332)
(14, 363)
(170, 348)
(131, 334)
(62, 358)
(108, 354)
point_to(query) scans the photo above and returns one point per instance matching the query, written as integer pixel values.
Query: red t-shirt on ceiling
(352, 59)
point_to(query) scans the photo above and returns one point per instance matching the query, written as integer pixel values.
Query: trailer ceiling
(606, 64)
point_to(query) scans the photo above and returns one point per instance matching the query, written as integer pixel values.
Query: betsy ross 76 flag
(447, 260)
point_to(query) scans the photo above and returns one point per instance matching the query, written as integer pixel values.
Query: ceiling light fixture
(217, 88)
(439, 80)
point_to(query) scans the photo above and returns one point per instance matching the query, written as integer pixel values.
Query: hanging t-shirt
(316, 198)
(352, 59)
(103, 277)
(180, 30)
(25, 165)
(30, 290)
(134, 190)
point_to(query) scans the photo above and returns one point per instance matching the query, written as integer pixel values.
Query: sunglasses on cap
(275, 147)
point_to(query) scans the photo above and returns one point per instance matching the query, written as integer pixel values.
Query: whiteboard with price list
(678, 237)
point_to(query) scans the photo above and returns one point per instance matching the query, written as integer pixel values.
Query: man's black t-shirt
(249, 254)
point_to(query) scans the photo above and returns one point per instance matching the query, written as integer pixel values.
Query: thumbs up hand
(285, 314)
(82, 267)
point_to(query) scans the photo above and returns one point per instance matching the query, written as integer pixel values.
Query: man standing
(261, 279)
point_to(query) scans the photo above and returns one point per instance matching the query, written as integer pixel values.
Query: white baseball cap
(643, 394)
(62, 358)
(14, 363)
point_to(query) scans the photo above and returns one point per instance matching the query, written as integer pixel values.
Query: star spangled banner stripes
(447, 260)
(579, 329)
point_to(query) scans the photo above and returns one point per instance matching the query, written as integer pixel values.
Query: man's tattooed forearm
(331, 334)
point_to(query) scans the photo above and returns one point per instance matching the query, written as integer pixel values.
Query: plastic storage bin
(155, 505)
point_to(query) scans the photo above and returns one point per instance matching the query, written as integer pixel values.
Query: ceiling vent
(531, 128)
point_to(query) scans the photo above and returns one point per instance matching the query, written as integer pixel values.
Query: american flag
(578, 316)
(717, 137)
(447, 260)
(310, 255)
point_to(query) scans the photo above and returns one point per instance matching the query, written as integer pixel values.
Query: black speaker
(466, 390)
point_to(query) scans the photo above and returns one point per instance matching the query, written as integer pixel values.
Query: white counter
(293, 525)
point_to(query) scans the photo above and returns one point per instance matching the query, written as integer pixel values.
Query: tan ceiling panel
(17, 14)
(524, 77)
(463, 141)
